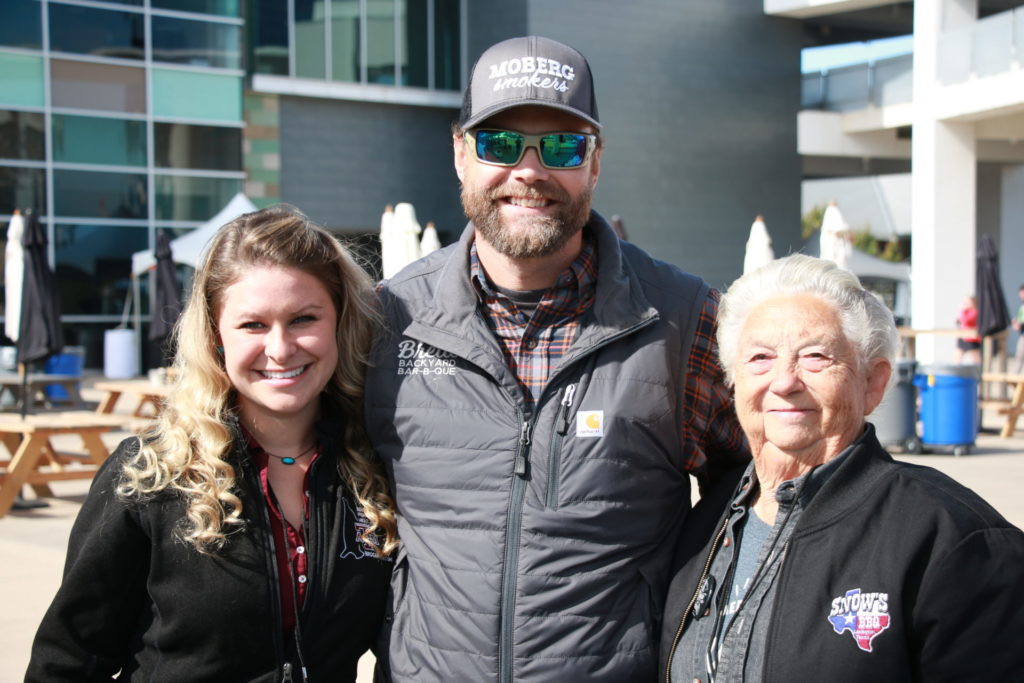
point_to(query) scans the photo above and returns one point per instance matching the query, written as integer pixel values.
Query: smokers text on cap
(529, 70)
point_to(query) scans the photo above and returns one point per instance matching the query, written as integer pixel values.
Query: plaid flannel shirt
(532, 347)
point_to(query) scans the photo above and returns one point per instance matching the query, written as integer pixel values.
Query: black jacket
(932, 575)
(136, 599)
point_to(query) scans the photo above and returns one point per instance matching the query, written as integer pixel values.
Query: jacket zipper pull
(286, 673)
(570, 393)
(524, 443)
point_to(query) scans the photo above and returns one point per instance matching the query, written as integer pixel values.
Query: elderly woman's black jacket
(881, 539)
(135, 599)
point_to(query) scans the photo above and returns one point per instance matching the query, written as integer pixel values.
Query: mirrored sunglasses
(556, 150)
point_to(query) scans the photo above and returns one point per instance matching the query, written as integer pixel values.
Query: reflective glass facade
(141, 129)
(22, 135)
(94, 140)
(416, 43)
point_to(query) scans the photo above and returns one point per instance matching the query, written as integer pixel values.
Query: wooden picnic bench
(33, 460)
(148, 393)
(35, 387)
(1014, 407)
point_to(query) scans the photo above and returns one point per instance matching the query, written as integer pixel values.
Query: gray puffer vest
(535, 545)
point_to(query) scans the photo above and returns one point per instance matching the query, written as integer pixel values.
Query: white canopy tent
(186, 250)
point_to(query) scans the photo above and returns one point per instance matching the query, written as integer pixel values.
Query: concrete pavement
(33, 542)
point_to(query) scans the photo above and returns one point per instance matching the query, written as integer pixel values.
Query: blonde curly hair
(186, 450)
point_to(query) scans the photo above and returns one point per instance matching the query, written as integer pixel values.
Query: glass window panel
(21, 24)
(268, 35)
(21, 135)
(22, 188)
(345, 44)
(93, 140)
(96, 194)
(94, 265)
(309, 39)
(97, 86)
(21, 80)
(187, 94)
(380, 42)
(100, 32)
(180, 145)
(447, 53)
(199, 43)
(414, 30)
(224, 8)
(180, 198)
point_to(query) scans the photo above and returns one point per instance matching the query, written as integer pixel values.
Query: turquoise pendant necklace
(288, 460)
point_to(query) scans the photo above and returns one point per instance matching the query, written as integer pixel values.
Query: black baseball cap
(529, 70)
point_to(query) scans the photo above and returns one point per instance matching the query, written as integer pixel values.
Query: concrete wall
(699, 105)
(363, 157)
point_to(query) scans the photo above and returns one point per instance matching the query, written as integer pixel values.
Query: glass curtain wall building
(117, 119)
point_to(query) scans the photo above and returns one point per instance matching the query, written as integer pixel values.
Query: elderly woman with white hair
(827, 560)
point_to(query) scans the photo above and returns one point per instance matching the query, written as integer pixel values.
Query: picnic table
(33, 459)
(36, 384)
(1013, 408)
(147, 393)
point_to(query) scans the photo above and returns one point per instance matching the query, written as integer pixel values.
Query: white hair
(867, 323)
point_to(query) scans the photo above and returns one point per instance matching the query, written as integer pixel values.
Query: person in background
(246, 534)
(968, 347)
(825, 559)
(542, 398)
(1018, 324)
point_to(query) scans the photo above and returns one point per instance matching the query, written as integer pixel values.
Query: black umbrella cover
(993, 316)
(40, 334)
(168, 297)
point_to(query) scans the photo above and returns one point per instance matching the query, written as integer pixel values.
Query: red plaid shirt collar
(533, 346)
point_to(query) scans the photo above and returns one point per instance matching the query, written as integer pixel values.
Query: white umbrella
(834, 245)
(759, 247)
(387, 242)
(400, 239)
(430, 242)
(14, 274)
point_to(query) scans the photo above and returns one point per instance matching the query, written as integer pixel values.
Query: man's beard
(528, 237)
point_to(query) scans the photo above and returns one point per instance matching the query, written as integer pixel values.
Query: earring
(220, 350)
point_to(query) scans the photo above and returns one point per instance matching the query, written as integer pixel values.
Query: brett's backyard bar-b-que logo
(538, 72)
(417, 358)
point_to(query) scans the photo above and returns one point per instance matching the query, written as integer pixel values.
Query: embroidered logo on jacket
(864, 615)
(353, 526)
(417, 358)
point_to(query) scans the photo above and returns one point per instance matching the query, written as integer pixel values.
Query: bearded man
(540, 398)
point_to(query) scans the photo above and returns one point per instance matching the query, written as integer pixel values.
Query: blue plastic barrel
(69, 362)
(949, 404)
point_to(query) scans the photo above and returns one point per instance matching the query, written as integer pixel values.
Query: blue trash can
(68, 362)
(949, 405)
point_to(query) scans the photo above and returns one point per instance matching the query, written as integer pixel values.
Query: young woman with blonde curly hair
(246, 535)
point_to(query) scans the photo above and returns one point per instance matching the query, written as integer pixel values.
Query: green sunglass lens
(563, 151)
(499, 147)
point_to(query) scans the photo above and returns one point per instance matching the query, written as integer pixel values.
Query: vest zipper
(693, 600)
(554, 456)
(286, 673)
(510, 566)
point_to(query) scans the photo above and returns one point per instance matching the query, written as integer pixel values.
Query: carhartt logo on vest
(590, 423)
(864, 615)
(417, 358)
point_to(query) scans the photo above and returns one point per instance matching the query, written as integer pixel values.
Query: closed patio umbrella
(759, 250)
(39, 334)
(993, 315)
(168, 296)
(14, 272)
